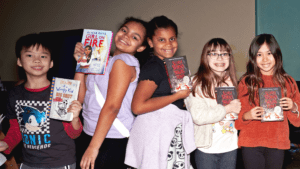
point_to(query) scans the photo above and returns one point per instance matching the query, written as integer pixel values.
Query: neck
(36, 83)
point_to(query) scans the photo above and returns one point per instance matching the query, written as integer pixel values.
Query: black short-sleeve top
(154, 70)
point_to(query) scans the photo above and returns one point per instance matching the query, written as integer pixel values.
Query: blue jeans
(214, 161)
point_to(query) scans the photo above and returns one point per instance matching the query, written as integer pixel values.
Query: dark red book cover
(224, 96)
(178, 73)
(269, 100)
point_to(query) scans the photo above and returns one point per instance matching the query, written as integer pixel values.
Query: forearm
(73, 130)
(202, 113)
(13, 136)
(105, 121)
(152, 104)
(76, 123)
(82, 87)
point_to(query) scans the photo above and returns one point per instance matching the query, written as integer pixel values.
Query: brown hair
(253, 78)
(205, 76)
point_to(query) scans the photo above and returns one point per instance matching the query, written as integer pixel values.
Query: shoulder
(127, 58)
(153, 65)
(16, 90)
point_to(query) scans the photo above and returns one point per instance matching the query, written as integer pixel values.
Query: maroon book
(224, 96)
(269, 100)
(178, 73)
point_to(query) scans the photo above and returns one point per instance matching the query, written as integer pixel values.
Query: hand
(254, 114)
(75, 108)
(181, 94)
(3, 146)
(287, 104)
(234, 106)
(88, 158)
(78, 51)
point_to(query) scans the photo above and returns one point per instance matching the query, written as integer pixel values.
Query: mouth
(168, 51)
(37, 68)
(265, 65)
(219, 64)
(123, 42)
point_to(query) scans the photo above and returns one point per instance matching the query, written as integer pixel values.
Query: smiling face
(265, 60)
(219, 64)
(129, 38)
(164, 42)
(36, 61)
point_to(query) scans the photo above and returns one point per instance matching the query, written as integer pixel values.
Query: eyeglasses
(215, 56)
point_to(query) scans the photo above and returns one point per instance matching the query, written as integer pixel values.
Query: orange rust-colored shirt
(254, 133)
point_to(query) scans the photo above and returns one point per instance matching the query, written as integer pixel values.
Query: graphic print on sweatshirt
(34, 124)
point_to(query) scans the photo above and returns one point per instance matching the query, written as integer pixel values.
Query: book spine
(51, 97)
(108, 53)
(168, 78)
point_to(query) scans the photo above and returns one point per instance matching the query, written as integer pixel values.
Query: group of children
(164, 127)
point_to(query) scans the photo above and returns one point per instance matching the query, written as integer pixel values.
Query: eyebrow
(133, 32)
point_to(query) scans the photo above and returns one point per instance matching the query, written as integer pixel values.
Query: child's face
(265, 60)
(129, 38)
(36, 61)
(164, 42)
(218, 61)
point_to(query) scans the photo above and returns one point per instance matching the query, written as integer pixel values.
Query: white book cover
(97, 45)
(63, 92)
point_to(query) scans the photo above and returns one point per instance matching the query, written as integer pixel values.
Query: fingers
(78, 51)
(86, 162)
(286, 103)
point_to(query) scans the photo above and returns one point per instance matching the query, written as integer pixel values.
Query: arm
(119, 79)
(248, 112)
(203, 113)
(79, 51)
(292, 104)
(143, 103)
(12, 138)
(74, 128)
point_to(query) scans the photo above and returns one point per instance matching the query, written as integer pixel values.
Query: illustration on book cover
(269, 100)
(63, 92)
(224, 96)
(178, 73)
(97, 44)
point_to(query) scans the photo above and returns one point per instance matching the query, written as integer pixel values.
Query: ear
(150, 42)
(19, 62)
(141, 48)
(51, 64)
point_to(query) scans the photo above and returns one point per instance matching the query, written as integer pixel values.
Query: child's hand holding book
(233, 107)
(78, 51)
(75, 108)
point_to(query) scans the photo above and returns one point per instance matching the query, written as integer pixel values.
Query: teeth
(123, 41)
(219, 64)
(37, 68)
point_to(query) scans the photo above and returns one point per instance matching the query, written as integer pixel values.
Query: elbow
(136, 109)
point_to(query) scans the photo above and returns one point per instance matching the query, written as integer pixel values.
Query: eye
(43, 56)
(213, 54)
(29, 55)
(172, 39)
(123, 30)
(269, 53)
(258, 54)
(161, 40)
(135, 38)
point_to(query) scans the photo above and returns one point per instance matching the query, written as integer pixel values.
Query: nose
(37, 59)
(265, 58)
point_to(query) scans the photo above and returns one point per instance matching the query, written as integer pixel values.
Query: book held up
(178, 73)
(63, 92)
(224, 96)
(97, 44)
(269, 100)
